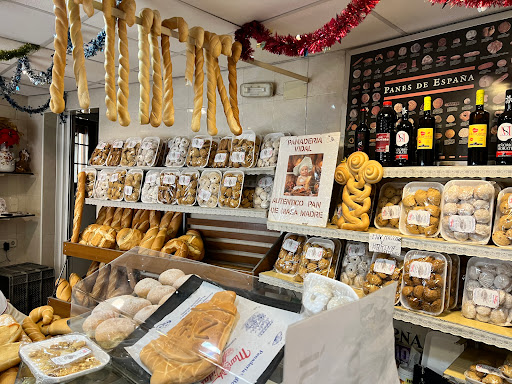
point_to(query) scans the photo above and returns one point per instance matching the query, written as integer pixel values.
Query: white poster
(304, 178)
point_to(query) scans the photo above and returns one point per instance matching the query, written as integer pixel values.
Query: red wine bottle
(404, 139)
(504, 146)
(362, 143)
(384, 137)
(478, 131)
(425, 143)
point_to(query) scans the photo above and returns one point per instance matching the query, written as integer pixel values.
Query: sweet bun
(91, 323)
(111, 332)
(158, 292)
(170, 276)
(143, 287)
(126, 304)
(144, 313)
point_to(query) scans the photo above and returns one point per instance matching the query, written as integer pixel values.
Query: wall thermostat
(257, 89)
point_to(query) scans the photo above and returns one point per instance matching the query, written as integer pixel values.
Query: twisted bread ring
(371, 172)
(147, 21)
(156, 101)
(342, 174)
(110, 68)
(60, 43)
(78, 54)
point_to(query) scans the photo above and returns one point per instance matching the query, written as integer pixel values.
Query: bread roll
(116, 221)
(10, 333)
(126, 220)
(157, 292)
(88, 233)
(9, 376)
(145, 313)
(104, 237)
(144, 286)
(63, 290)
(181, 280)
(59, 327)
(102, 215)
(73, 279)
(32, 330)
(45, 312)
(111, 332)
(170, 276)
(128, 238)
(91, 323)
(79, 207)
(129, 305)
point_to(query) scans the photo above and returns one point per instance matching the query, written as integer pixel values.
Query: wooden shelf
(102, 255)
(60, 307)
(457, 171)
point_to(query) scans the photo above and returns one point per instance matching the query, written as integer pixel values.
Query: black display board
(449, 67)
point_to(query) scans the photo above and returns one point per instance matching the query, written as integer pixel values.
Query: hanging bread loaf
(78, 54)
(230, 118)
(144, 62)
(79, 207)
(196, 33)
(236, 51)
(156, 101)
(110, 52)
(213, 51)
(88, 6)
(198, 90)
(60, 44)
(123, 93)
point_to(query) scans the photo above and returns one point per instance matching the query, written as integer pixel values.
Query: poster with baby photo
(304, 179)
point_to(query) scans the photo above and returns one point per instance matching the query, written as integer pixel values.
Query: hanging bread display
(195, 33)
(60, 44)
(110, 53)
(236, 51)
(198, 33)
(146, 16)
(87, 6)
(156, 102)
(212, 53)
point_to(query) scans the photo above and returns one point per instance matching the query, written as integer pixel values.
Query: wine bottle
(384, 137)
(362, 143)
(478, 129)
(504, 146)
(404, 139)
(425, 144)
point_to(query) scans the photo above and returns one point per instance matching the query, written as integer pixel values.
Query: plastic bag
(221, 159)
(288, 259)
(389, 206)
(263, 191)
(209, 189)
(317, 257)
(130, 151)
(116, 185)
(187, 188)
(148, 154)
(270, 150)
(245, 149)
(178, 149)
(421, 211)
(231, 189)
(149, 192)
(90, 179)
(502, 232)
(100, 154)
(167, 187)
(102, 183)
(132, 185)
(384, 270)
(114, 157)
(467, 211)
(356, 263)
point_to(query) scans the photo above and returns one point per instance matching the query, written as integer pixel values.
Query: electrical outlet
(12, 243)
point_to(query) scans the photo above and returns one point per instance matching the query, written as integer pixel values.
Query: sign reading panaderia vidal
(304, 178)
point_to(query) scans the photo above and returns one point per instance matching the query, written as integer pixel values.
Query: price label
(173, 156)
(265, 182)
(466, 224)
(220, 157)
(71, 357)
(314, 253)
(131, 144)
(184, 180)
(392, 212)
(147, 145)
(384, 266)
(204, 194)
(391, 245)
(488, 370)
(128, 190)
(151, 178)
(101, 145)
(421, 218)
(169, 179)
(356, 249)
(197, 143)
(420, 269)
(290, 245)
(266, 153)
(230, 181)
(510, 201)
(117, 144)
(102, 176)
(114, 177)
(486, 297)
(238, 157)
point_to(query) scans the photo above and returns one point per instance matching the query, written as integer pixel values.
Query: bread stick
(232, 123)
(87, 6)
(147, 21)
(79, 207)
(236, 51)
(109, 63)
(156, 101)
(196, 33)
(60, 44)
(78, 54)
(198, 90)
(213, 51)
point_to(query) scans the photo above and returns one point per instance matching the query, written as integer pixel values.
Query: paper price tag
(184, 180)
(391, 245)
(204, 194)
(466, 224)
(220, 157)
(486, 297)
(102, 177)
(421, 218)
(117, 144)
(420, 269)
(238, 157)
(391, 212)
(197, 143)
(169, 179)
(384, 266)
(101, 145)
(290, 245)
(131, 144)
(356, 249)
(265, 182)
(314, 253)
(266, 153)
(510, 201)
(114, 177)
(71, 357)
(173, 156)
(151, 179)
(147, 145)
(128, 190)
(230, 181)
(488, 370)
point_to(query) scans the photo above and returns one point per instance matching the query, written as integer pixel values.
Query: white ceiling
(32, 21)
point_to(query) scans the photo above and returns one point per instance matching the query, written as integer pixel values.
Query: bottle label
(402, 138)
(360, 142)
(477, 136)
(402, 149)
(425, 138)
(504, 132)
(504, 145)
(427, 103)
(382, 142)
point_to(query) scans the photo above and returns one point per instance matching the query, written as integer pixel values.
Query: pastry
(100, 154)
(144, 62)
(187, 187)
(31, 329)
(270, 150)
(245, 150)
(201, 152)
(132, 185)
(198, 80)
(231, 189)
(45, 313)
(236, 51)
(169, 364)
(60, 44)
(149, 151)
(167, 187)
(116, 181)
(176, 247)
(110, 51)
(91, 323)
(79, 207)
(59, 327)
(128, 238)
(131, 146)
(208, 189)
(212, 53)
(111, 332)
(90, 179)
(156, 101)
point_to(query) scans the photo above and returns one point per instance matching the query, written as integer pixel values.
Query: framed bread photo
(304, 179)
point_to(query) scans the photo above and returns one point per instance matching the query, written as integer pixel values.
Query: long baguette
(60, 44)
(156, 101)
(78, 54)
(79, 207)
(147, 20)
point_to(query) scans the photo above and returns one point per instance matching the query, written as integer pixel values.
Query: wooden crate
(60, 307)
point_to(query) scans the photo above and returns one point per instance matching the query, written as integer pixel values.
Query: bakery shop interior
(262, 193)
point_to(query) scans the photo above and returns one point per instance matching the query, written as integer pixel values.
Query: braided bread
(236, 51)
(87, 6)
(113, 279)
(79, 207)
(232, 123)
(60, 44)
(212, 53)
(180, 24)
(156, 101)
(198, 86)
(147, 21)
(78, 54)
(110, 51)
(100, 286)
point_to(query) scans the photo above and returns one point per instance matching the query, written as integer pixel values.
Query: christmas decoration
(302, 45)
(15, 105)
(22, 51)
(9, 137)
(474, 3)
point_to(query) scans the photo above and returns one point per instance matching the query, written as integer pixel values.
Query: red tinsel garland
(474, 3)
(314, 42)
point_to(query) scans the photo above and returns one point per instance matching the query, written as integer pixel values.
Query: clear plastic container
(316, 257)
(100, 154)
(162, 152)
(178, 149)
(62, 359)
(90, 179)
(209, 189)
(482, 372)
(245, 149)
(421, 209)
(389, 206)
(384, 269)
(467, 211)
(130, 151)
(454, 281)
(101, 186)
(356, 264)
(149, 150)
(132, 185)
(288, 259)
(270, 149)
(199, 151)
(502, 231)
(167, 187)
(114, 157)
(149, 192)
(116, 185)
(231, 189)
(221, 159)
(424, 282)
(247, 197)
(187, 188)
(263, 191)
(486, 295)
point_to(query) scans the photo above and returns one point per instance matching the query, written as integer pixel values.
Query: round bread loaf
(156, 293)
(165, 298)
(180, 281)
(96, 318)
(170, 276)
(143, 287)
(111, 332)
(144, 313)
(128, 238)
